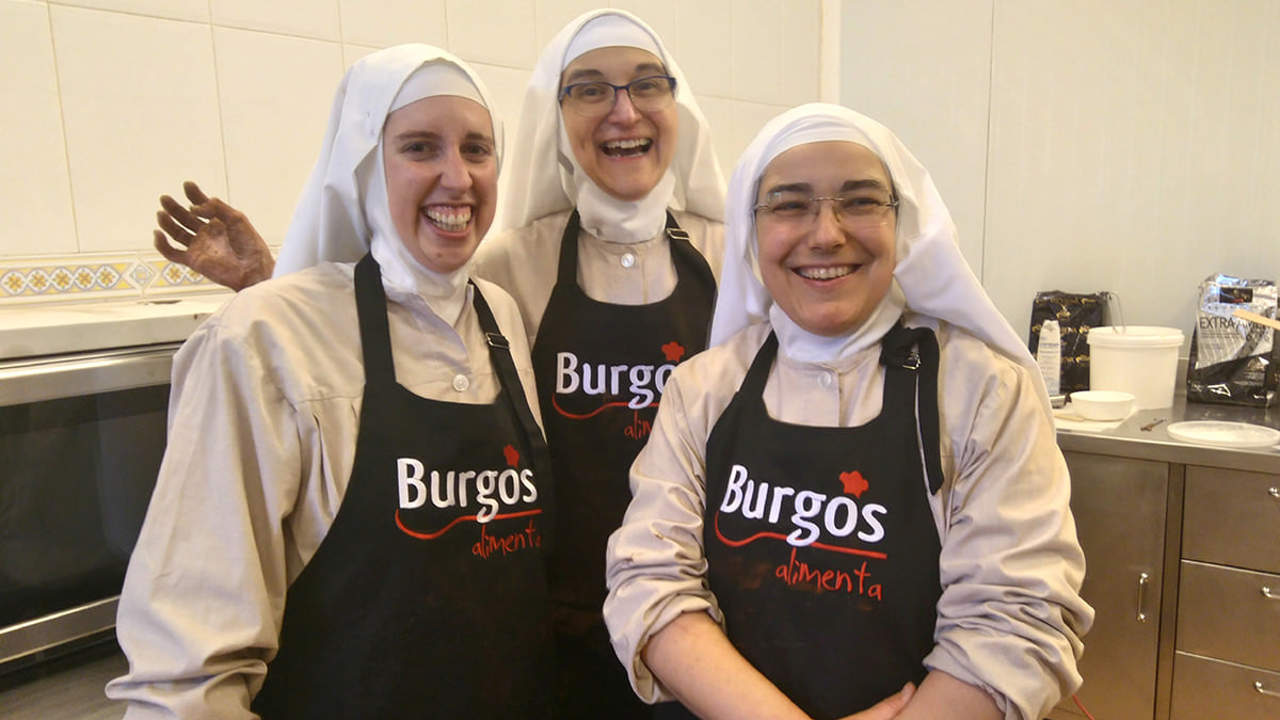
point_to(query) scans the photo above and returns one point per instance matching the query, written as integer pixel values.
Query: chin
(831, 326)
(630, 186)
(443, 262)
(626, 193)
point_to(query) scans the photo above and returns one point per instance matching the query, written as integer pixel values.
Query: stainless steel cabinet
(1120, 507)
(1228, 642)
(1200, 637)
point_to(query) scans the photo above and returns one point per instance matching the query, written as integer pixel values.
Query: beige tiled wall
(109, 103)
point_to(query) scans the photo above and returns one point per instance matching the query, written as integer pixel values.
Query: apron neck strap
(758, 374)
(512, 389)
(568, 269)
(911, 355)
(375, 332)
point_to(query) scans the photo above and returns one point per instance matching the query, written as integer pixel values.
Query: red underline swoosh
(597, 411)
(455, 521)
(780, 536)
(740, 543)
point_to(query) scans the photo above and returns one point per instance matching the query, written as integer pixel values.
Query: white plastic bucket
(1138, 359)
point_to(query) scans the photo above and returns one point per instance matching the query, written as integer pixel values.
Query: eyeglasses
(856, 211)
(596, 98)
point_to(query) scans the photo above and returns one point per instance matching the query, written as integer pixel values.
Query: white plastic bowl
(1102, 404)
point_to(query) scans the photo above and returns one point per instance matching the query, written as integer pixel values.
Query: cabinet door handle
(1257, 685)
(1274, 492)
(1270, 594)
(1143, 579)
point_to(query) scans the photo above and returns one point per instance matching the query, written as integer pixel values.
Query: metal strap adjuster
(913, 360)
(497, 340)
(676, 233)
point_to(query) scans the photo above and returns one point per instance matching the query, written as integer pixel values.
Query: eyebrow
(789, 187)
(864, 184)
(590, 74)
(848, 186)
(417, 135)
(429, 135)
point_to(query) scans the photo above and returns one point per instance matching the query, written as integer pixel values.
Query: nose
(454, 173)
(623, 111)
(827, 231)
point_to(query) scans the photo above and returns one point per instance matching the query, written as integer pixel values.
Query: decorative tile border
(97, 276)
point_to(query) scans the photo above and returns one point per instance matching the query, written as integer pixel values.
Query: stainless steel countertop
(1130, 440)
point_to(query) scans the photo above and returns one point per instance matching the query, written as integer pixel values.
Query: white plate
(1226, 434)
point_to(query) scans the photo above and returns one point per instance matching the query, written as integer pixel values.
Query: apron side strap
(375, 330)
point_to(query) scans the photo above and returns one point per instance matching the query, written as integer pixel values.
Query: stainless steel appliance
(81, 438)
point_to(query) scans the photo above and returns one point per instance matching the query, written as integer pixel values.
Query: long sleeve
(656, 565)
(204, 594)
(1010, 617)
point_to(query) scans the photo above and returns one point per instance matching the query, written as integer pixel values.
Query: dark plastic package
(1075, 313)
(1233, 361)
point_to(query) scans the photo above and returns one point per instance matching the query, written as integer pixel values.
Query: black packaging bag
(1075, 313)
(1233, 361)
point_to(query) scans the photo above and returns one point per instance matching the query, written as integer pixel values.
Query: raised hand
(214, 239)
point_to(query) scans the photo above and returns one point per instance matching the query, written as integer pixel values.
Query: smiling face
(827, 277)
(442, 178)
(625, 152)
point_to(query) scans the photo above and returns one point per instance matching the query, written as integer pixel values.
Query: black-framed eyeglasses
(596, 98)
(856, 210)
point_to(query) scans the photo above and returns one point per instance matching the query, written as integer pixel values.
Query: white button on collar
(825, 379)
(461, 383)
(628, 259)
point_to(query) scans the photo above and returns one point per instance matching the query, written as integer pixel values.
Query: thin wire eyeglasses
(855, 211)
(596, 98)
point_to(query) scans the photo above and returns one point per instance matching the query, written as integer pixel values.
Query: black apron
(821, 546)
(427, 598)
(600, 369)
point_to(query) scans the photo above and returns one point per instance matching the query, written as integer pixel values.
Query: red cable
(1080, 705)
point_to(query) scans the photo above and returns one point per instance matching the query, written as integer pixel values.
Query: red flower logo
(854, 484)
(513, 455)
(674, 351)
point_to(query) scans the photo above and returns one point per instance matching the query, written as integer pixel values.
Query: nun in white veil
(297, 560)
(544, 181)
(858, 486)
(614, 197)
(634, 186)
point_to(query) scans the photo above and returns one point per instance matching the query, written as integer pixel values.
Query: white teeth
(627, 147)
(824, 272)
(452, 219)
